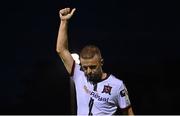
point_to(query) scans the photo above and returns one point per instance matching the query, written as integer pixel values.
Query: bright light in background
(76, 57)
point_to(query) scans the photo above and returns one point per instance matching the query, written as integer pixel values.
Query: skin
(62, 40)
(91, 67)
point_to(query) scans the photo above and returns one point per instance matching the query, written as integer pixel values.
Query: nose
(89, 71)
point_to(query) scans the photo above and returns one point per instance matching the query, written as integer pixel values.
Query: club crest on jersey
(107, 89)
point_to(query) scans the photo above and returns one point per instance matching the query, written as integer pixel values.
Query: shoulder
(76, 71)
(77, 66)
(116, 81)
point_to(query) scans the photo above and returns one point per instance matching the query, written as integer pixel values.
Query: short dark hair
(89, 51)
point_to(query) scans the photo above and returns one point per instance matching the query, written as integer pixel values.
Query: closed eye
(93, 67)
(84, 67)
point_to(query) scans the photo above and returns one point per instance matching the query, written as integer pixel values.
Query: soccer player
(98, 93)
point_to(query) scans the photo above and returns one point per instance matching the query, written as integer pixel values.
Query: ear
(102, 62)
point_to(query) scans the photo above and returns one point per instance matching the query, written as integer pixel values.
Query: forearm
(62, 40)
(128, 111)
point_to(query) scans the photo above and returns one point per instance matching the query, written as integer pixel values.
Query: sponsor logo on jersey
(98, 97)
(122, 93)
(107, 89)
(95, 95)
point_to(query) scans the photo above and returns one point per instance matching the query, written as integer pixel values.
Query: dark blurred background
(139, 42)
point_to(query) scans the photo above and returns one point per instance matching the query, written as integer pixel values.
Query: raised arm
(62, 39)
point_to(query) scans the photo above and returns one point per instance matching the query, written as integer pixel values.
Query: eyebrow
(85, 66)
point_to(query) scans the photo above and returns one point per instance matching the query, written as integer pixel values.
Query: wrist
(64, 21)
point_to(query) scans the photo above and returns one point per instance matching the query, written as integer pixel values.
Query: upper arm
(123, 97)
(67, 59)
(124, 101)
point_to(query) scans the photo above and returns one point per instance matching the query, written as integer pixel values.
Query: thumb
(73, 10)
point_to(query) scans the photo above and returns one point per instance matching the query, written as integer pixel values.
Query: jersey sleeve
(123, 97)
(76, 72)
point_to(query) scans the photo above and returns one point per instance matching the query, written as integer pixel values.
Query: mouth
(93, 78)
(90, 75)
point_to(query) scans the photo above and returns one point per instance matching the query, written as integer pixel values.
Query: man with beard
(98, 93)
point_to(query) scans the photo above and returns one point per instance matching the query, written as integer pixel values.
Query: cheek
(85, 72)
(97, 71)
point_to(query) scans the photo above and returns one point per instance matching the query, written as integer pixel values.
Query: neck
(103, 75)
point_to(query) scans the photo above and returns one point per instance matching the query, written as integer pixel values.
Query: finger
(67, 10)
(60, 14)
(73, 10)
(62, 11)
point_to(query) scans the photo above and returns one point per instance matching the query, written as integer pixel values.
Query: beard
(94, 78)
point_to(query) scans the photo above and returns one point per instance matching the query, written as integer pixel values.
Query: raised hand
(66, 13)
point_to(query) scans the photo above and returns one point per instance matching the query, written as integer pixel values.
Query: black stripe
(95, 87)
(91, 102)
(90, 106)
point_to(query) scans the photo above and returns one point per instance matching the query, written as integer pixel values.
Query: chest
(103, 92)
